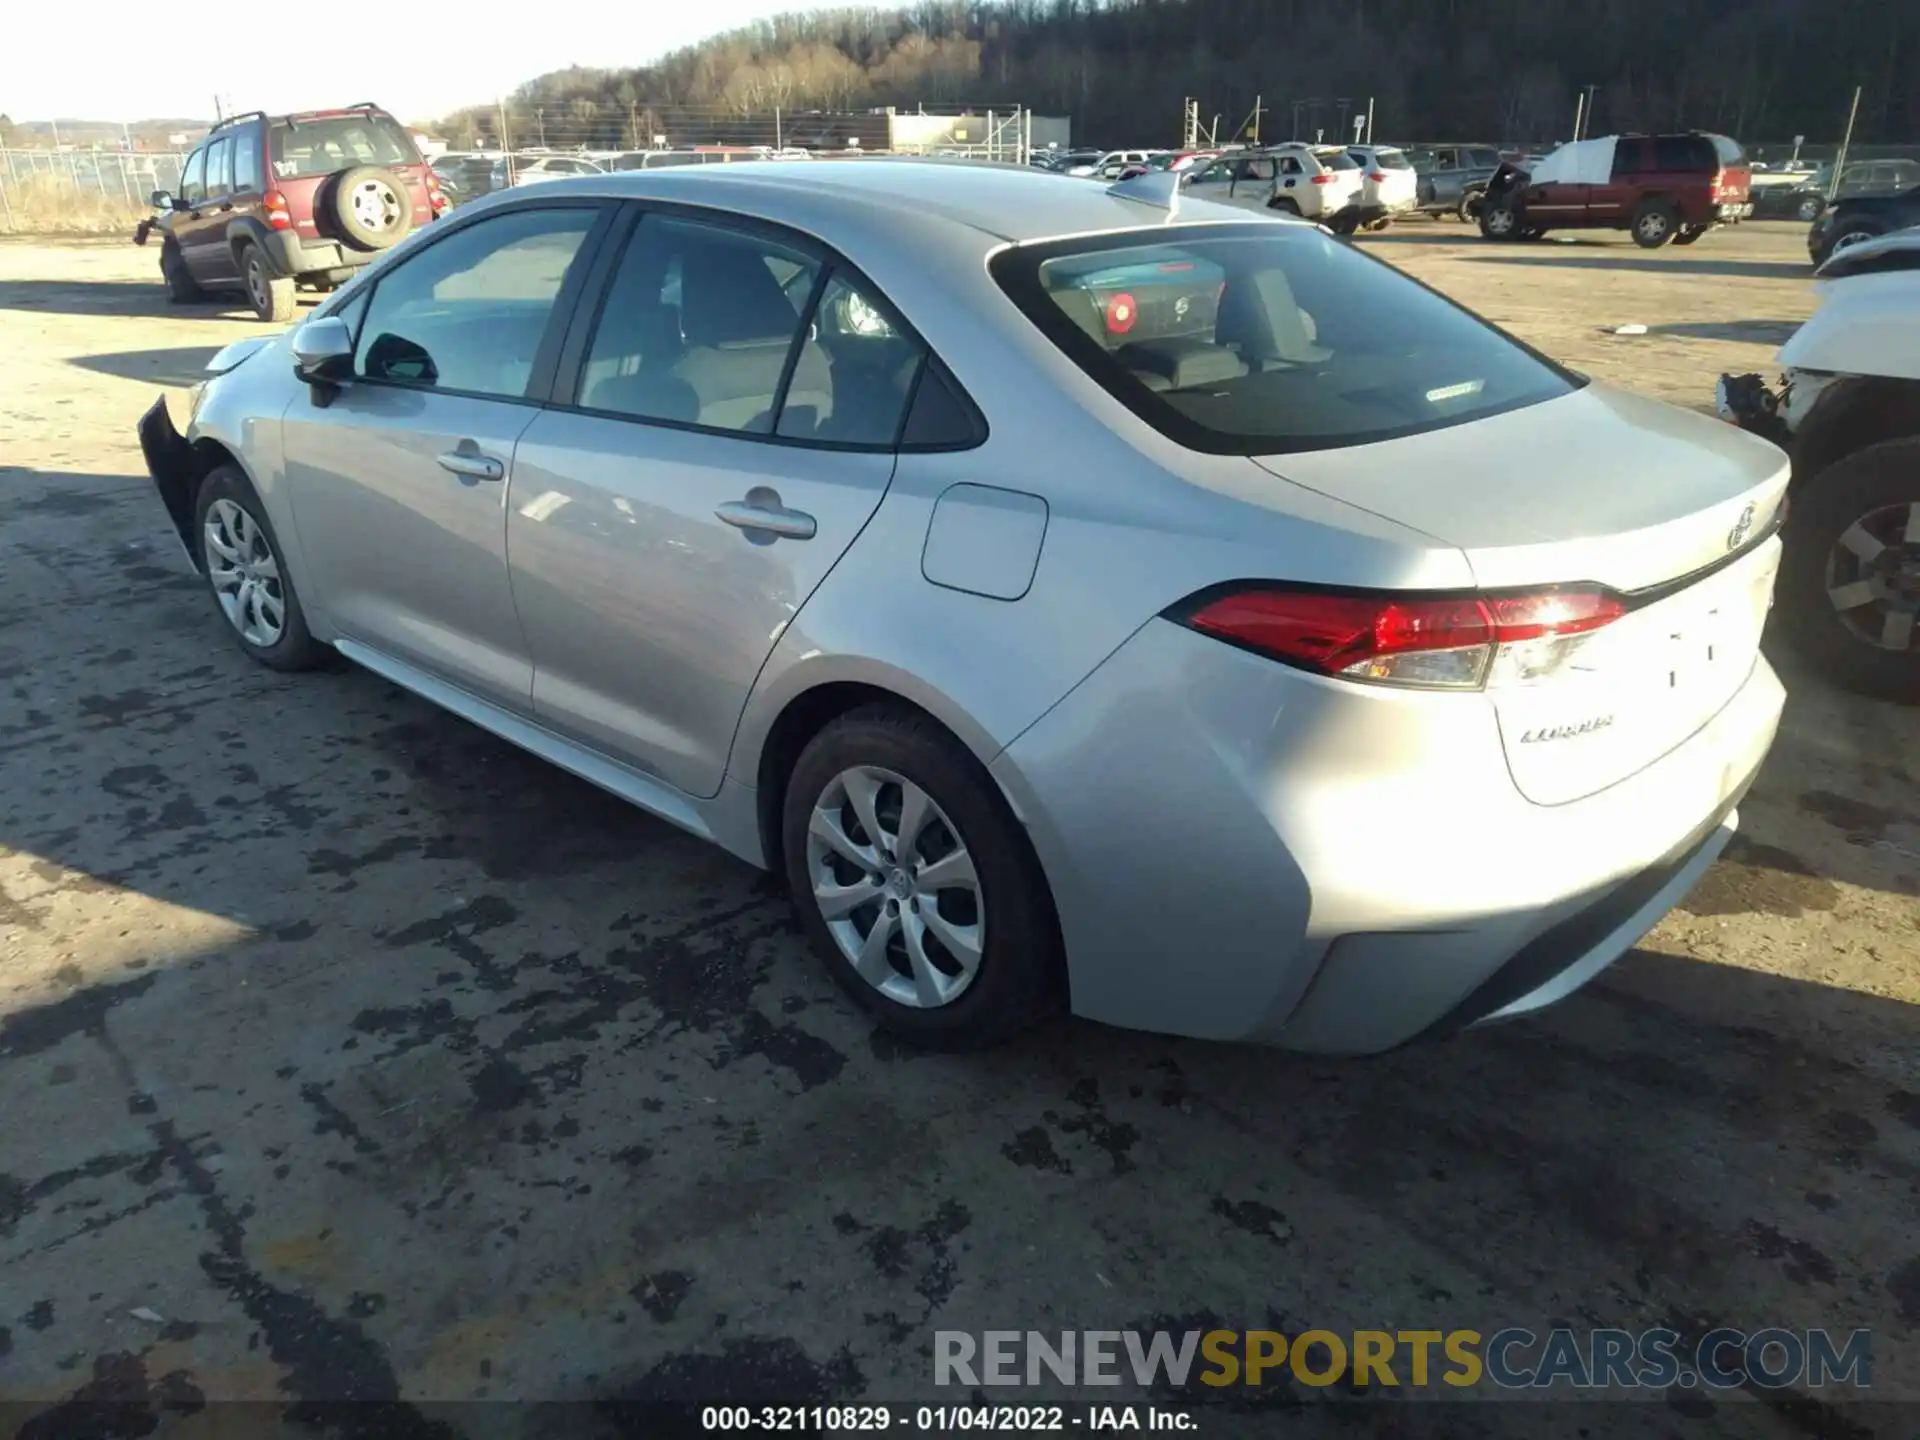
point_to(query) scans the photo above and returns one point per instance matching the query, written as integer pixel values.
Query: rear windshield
(1336, 160)
(1268, 338)
(1728, 152)
(1392, 160)
(320, 147)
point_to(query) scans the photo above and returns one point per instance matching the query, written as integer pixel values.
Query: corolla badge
(1565, 732)
(1742, 528)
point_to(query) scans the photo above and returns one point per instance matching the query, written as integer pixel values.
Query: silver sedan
(1081, 595)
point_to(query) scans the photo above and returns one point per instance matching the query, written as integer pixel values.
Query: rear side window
(246, 161)
(1265, 339)
(1684, 154)
(339, 142)
(469, 312)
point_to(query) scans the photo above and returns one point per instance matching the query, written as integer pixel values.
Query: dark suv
(1453, 177)
(1656, 187)
(269, 203)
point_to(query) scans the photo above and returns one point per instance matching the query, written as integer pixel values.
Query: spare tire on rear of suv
(369, 206)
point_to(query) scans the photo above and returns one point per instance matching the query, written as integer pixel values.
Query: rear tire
(181, 289)
(271, 295)
(1468, 210)
(1853, 233)
(1654, 224)
(1844, 631)
(247, 574)
(1000, 899)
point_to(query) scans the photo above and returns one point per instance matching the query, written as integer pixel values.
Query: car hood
(1598, 485)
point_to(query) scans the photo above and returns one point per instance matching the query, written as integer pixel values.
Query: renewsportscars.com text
(1511, 1358)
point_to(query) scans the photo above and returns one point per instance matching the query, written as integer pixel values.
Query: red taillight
(1323, 179)
(1121, 313)
(1457, 642)
(277, 216)
(1378, 177)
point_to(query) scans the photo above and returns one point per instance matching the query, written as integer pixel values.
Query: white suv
(1319, 182)
(1389, 187)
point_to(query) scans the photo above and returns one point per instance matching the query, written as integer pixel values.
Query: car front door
(733, 427)
(401, 480)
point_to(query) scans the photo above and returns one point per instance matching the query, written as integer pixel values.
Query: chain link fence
(81, 192)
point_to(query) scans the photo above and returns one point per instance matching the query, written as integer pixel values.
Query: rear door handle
(770, 519)
(474, 467)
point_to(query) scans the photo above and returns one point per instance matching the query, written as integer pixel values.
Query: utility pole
(1254, 134)
(1579, 110)
(1369, 119)
(506, 141)
(777, 139)
(540, 119)
(1846, 144)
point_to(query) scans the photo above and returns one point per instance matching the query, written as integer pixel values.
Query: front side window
(193, 179)
(1265, 339)
(469, 312)
(339, 142)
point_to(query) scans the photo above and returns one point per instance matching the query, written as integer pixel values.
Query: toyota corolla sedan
(1083, 596)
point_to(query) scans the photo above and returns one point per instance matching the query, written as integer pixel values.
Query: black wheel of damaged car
(370, 206)
(181, 289)
(1849, 595)
(1500, 219)
(1846, 235)
(1690, 233)
(1468, 209)
(1654, 223)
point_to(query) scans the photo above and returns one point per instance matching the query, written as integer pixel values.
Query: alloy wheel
(1653, 225)
(896, 886)
(1499, 220)
(1850, 239)
(245, 574)
(1873, 576)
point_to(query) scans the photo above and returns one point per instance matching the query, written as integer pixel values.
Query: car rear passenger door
(732, 406)
(401, 479)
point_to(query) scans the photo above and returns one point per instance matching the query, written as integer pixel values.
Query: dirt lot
(346, 1053)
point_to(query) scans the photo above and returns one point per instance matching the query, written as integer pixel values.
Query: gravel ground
(347, 1053)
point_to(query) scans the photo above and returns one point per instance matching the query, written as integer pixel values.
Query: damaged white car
(1847, 408)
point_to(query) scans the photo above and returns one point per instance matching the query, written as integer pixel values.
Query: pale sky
(134, 59)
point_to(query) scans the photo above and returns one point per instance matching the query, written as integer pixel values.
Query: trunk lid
(1663, 507)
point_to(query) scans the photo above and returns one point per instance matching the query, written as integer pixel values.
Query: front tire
(1468, 210)
(1850, 578)
(915, 883)
(181, 289)
(247, 574)
(271, 295)
(1654, 224)
(1499, 220)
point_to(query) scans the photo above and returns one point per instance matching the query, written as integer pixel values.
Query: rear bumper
(1243, 851)
(298, 258)
(170, 465)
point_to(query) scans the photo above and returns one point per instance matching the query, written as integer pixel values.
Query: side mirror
(323, 351)
(160, 200)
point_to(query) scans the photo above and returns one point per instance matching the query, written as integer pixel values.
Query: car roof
(1005, 202)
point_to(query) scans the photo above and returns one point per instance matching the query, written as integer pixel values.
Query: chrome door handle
(474, 467)
(772, 519)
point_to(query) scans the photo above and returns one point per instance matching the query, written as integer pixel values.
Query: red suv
(1657, 187)
(269, 203)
